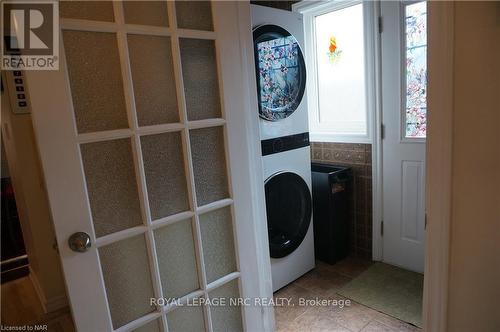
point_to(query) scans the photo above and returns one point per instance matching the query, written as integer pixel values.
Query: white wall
(474, 274)
(33, 208)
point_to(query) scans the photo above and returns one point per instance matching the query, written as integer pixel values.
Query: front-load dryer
(280, 72)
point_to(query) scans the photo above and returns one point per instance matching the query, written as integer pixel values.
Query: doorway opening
(14, 263)
(367, 81)
(31, 286)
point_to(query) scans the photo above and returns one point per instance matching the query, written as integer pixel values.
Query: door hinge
(380, 26)
(382, 131)
(382, 228)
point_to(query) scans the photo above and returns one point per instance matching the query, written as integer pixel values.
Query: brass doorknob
(79, 242)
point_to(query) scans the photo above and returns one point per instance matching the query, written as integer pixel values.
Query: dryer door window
(281, 72)
(288, 205)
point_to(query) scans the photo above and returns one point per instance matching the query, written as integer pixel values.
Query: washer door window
(288, 205)
(281, 72)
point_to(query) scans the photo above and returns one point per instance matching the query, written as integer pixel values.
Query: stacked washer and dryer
(284, 133)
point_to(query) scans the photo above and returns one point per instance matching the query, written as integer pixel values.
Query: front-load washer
(284, 133)
(287, 173)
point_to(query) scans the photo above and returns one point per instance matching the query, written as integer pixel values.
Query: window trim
(310, 10)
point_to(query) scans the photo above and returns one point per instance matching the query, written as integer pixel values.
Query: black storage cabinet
(332, 190)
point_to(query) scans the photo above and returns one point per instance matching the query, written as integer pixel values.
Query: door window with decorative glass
(415, 67)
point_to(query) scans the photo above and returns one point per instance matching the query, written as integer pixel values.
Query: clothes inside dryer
(288, 205)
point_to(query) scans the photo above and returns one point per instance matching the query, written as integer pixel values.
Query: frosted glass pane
(341, 71)
(218, 243)
(96, 80)
(209, 164)
(153, 326)
(201, 86)
(165, 175)
(146, 12)
(111, 185)
(186, 319)
(228, 317)
(176, 259)
(416, 70)
(127, 279)
(194, 15)
(87, 10)
(153, 79)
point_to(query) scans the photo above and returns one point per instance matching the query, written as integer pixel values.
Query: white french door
(146, 136)
(404, 74)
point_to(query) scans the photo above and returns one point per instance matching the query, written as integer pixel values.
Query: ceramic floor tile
(283, 317)
(375, 326)
(286, 314)
(337, 303)
(281, 325)
(353, 316)
(351, 266)
(322, 281)
(396, 323)
(294, 292)
(311, 321)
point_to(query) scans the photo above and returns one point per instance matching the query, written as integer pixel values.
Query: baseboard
(49, 305)
(14, 274)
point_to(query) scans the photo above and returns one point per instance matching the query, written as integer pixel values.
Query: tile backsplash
(358, 157)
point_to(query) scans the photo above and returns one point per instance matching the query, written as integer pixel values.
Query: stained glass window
(340, 60)
(416, 69)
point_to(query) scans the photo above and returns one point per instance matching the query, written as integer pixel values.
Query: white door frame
(377, 199)
(439, 163)
(51, 106)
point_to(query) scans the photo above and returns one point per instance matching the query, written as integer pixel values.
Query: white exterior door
(404, 108)
(147, 136)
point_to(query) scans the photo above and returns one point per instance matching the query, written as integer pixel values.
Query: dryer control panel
(284, 143)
